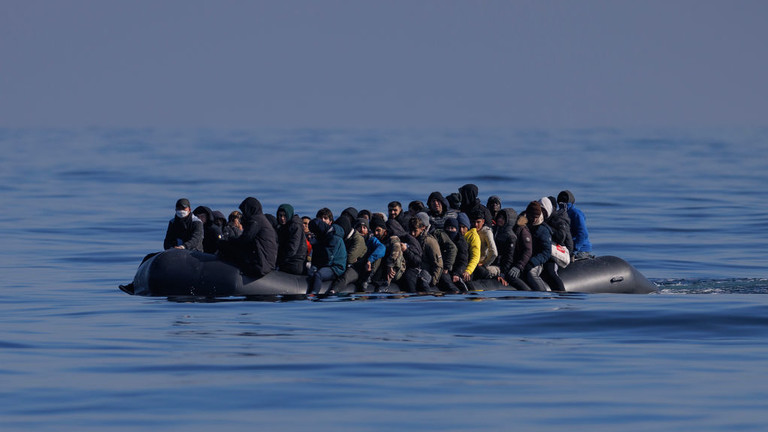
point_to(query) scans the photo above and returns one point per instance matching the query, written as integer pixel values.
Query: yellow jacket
(473, 248)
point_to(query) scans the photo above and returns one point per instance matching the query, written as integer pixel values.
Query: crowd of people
(443, 245)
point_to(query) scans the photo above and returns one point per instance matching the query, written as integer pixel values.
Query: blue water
(686, 207)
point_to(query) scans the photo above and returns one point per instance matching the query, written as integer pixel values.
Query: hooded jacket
(579, 231)
(187, 232)
(438, 219)
(291, 242)
(524, 243)
(471, 204)
(462, 254)
(255, 251)
(506, 240)
(211, 231)
(329, 250)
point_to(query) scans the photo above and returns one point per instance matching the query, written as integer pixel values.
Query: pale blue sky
(370, 63)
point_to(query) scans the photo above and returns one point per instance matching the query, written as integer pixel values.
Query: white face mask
(182, 213)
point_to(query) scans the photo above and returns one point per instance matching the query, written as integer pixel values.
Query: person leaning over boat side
(234, 227)
(541, 247)
(448, 253)
(185, 230)
(488, 251)
(211, 231)
(254, 252)
(451, 228)
(438, 209)
(355, 245)
(473, 246)
(582, 248)
(291, 242)
(329, 257)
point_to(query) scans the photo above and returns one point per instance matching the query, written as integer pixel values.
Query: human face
(379, 232)
(327, 221)
(451, 229)
(305, 222)
(394, 211)
(436, 206)
(463, 230)
(501, 221)
(281, 217)
(363, 230)
(478, 223)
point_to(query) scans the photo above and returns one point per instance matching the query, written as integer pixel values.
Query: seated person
(185, 230)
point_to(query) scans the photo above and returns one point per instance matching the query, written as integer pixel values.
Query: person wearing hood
(473, 246)
(329, 256)
(559, 226)
(454, 201)
(291, 242)
(255, 250)
(393, 265)
(582, 248)
(439, 210)
(436, 242)
(185, 230)
(356, 249)
(513, 242)
(494, 206)
(456, 271)
(541, 246)
(211, 231)
(470, 203)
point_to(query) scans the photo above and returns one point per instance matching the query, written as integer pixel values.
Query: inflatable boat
(181, 273)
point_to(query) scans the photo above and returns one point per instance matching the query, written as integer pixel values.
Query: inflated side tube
(178, 272)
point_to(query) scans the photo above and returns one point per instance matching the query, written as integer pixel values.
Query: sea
(686, 207)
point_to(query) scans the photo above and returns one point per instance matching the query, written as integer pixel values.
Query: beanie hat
(362, 222)
(463, 219)
(450, 222)
(424, 218)
(533, 211)
(377, 223)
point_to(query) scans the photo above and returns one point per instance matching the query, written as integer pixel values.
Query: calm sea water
(686, 207)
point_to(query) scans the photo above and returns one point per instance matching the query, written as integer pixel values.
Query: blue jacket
(579, 230)
(376, 249)
(329, 251)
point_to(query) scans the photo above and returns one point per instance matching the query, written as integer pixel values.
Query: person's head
(478, 220)
(182, 208)
(365, 214)
(464, 223)
(494, 204)
(435, 205)
(326, 215)
(451, 227)
(546, 207)
(305, 222)
(219, 219)
(415, 207)
(235, 218)
(284, 214)
(394, 208)
(379, 228)
(424, 218)
(565, 197)
(361, 225)
(416, 226)
(203, 214)
(533, 211)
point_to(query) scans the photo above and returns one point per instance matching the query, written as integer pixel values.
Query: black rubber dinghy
(178, 272)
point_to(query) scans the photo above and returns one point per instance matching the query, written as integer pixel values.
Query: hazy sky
(366, 63)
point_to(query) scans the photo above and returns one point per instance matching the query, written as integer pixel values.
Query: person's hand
(503, 281)
(179, 247)
(391, 274)
(467, 276)
(513, 273)
(455, 279)
(403, 246)
(367, 266)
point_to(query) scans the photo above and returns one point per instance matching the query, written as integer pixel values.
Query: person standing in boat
(470, 203)
(582, 248)
(541, 247)
(329, 256)
(255, 251)
(291, 242)
(185, 230)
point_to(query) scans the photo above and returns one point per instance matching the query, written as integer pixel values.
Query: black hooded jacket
(255, 251)
(470, 204)
(292, 243)
(506, 239)
(211, 231)
(187, 232)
